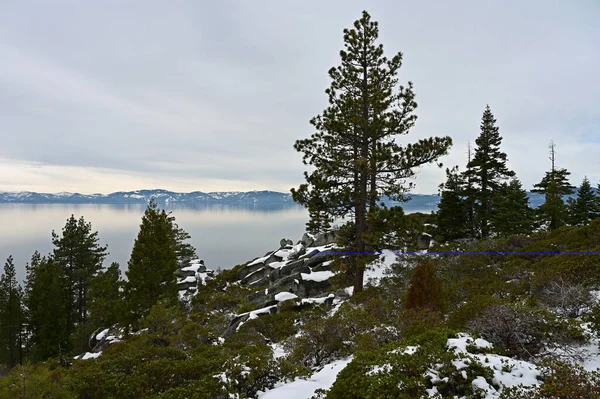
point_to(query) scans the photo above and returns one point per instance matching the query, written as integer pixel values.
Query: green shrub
(321, 341)
(274, 327)
(396, 372)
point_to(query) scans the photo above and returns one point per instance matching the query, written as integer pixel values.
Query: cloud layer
(186, 95)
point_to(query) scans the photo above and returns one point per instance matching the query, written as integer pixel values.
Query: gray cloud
(212, 95)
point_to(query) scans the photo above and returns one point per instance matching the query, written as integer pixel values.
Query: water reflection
(224, 234)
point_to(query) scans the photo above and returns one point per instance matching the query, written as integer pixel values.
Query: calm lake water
(223, 235)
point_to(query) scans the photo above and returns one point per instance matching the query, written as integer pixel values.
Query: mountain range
(143, 196)
(418, 202)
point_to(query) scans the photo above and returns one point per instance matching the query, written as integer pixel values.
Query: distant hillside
(143, 196)
(418, 202)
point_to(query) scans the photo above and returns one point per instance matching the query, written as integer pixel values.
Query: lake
(224, 235)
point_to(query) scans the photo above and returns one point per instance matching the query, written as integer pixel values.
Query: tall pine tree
(554, 186)
(584, 208)
(153, 261)
(487, 169)
(354, 151)
(11, 317)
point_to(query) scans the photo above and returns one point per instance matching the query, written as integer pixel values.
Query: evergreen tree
(453, 212)
(554, 186)
(11, 317)
(30, 269)
(354, 151)
(106, 298)
(78, 253)
(487, 169)
(184, 250)
(511, 213)
(584, 208)
(152, 264)
(48, 310)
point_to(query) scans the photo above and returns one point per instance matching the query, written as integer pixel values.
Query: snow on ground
(317, 301)
(508, 372)
(278, 351)
(101, 334)
(317, 276)
(591, 361)
(90, 355)
(305, 388)
(255, 314)
(285, 296)
(259, 260)
(317, 250)
(192, 268)
(377, 270)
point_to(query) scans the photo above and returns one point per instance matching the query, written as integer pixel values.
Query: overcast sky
(101, 96)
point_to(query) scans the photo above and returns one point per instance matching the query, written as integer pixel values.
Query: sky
(103, 96)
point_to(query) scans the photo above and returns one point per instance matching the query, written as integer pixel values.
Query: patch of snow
(189, 279)
(318, 301)
(317, 276)
(254, 314)
(322, 248)
(101, 334)
(305, 388)
(277, 265)
(278, 351)
(90, 355)
(192, 268)
(259, 260)
(285, 296)
(377, 270)
(282, 253)
(409, 350)
(203, 276)
(508, 372)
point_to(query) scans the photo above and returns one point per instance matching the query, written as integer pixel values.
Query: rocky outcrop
(103, 337)
(291, 268)
(191, 275)
(300, 271)
(424, 241)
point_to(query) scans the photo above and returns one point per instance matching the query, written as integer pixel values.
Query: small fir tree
(78, 253)
(106, 298)
(554, 186)
(48, 311)
(153, 261)
(584, 208)
(453, 212)
(511, 211)
(11, 317)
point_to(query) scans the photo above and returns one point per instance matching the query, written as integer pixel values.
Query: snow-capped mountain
(143, 196)
(418, 202)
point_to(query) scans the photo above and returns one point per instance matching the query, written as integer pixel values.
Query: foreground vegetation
(537, 308)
